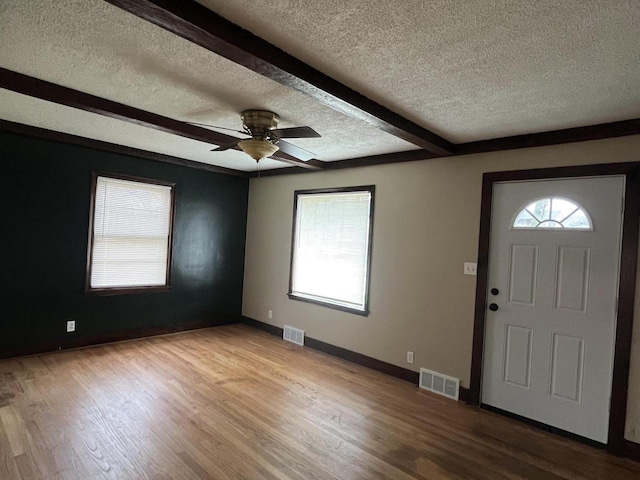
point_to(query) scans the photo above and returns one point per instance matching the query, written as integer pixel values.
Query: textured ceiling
(94, 47)
(467, 70)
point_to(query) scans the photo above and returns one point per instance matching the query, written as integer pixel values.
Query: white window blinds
(131, 228)
(331, 248)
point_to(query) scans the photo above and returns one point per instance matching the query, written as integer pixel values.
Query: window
(130, 235)
(331, 247)
(553, 213)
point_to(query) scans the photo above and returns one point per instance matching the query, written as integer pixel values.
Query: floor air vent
(438, 383)
(294, 335)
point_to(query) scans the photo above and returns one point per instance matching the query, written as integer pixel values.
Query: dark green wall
(44, 213)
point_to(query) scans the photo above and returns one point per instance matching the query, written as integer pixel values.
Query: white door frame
(626, 294)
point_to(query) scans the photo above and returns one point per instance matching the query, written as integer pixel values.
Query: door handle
(493, 307)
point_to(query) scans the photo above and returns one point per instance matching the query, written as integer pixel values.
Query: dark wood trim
(291, 169)
(364, 360)
(601, 169)
(109, 291)
(372, 190)
(206, 28)
(171, 238)
(52, 92)
(20, 129)
(396, 157)
(278, 171)
(73, 341)
(481, 291)
(554, 137)
(327, 304)
(626, 295)
(92, 209)
(463, 394)
(343, 353)
(266, 327)
(632, 450)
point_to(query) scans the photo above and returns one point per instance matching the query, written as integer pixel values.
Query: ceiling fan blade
(227, 146)
(296, 132)
(294, 151)
(217, 128)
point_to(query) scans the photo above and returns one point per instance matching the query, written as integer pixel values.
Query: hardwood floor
(234, 402)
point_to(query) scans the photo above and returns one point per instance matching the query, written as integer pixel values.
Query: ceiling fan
(266, 137)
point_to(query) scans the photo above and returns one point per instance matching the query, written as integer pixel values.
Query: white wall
(426, 225)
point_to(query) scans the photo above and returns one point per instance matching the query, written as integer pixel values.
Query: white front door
(553, 282)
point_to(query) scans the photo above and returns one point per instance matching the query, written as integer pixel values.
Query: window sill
(105, 292)
(363, 313)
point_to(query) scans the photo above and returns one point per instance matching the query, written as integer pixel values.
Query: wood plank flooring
(234, 402)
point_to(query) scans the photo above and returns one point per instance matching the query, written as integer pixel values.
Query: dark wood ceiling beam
(196, 23)
(21, 129)
(52, 92)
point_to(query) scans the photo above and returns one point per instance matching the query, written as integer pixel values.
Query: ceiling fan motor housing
(260, 123)
(262, 126)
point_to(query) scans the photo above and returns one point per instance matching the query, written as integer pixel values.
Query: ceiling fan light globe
(258, 149)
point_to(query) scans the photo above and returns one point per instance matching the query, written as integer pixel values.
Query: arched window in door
(553, 213)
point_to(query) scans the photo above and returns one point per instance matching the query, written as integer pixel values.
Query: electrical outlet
(470, 268)
(270, 314)
(409, 357)
(71, 326)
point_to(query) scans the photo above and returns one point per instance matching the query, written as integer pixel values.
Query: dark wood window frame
(364, 188)
(622, 351)
(136, 289)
